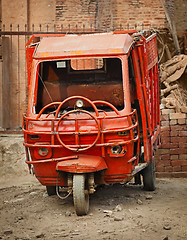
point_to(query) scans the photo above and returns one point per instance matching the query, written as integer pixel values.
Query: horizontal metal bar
(46, 33)
(83, 146)
(84, 133)
(53, 160)
(73, 119)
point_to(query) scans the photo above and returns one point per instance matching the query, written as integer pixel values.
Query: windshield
(93, 78)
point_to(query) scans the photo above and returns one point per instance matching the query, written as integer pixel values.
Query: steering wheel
(77, 147)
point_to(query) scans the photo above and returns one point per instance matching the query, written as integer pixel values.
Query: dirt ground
(117, 211)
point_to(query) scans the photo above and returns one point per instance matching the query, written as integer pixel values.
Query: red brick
(183, 145)
(174, 157)
(160, 169)
(178, 127)
(177, 168)
(163, 163)
(165, 157)
(163, 151)
(163, 174)
(179, 163)
(174, 133)
(168, 169)
(170, 145)
(165, 139)
(183, 156)
(178, 139)
(178, 151)
(171, 174)
(183, 133)
(184, 168)
(157, 157)
(165, 133)
(179, 174)
(165, 128)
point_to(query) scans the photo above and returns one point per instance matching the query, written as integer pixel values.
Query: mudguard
(83, 164)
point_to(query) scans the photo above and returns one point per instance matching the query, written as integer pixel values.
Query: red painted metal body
(111, 141)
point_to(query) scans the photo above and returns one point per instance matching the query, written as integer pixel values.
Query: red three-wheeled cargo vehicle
(93, 111)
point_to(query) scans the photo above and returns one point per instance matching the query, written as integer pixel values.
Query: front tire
(80, 194)
(149, 177)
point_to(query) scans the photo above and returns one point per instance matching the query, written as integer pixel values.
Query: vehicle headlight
(43, 152)
(117, 149)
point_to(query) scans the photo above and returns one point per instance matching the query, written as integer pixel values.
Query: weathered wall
(105, 15)
(75, 12)
(109, 14)
(147, 12)
(15, 12)
(42, 12)
(21, 13)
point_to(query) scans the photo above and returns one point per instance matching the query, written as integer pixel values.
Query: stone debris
(45, 194)
(148, 197)
(174, 94)
(33, 193)
(167, 227)
(166, 238)
(139, 202)
(15, 200)
(118, 218)
(108, 212)
(118, 208)
(8, 232)
(41, 235)
(68, 214)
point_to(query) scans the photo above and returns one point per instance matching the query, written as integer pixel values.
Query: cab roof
(83, 45)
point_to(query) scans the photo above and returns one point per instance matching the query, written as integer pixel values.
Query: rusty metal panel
(88, 44)
(5, 84)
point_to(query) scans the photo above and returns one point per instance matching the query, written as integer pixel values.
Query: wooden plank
(5, 83)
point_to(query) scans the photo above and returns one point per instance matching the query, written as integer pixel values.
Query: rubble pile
(173, 93)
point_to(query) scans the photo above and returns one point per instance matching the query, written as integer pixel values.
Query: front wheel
(80, 194)
(149, 177)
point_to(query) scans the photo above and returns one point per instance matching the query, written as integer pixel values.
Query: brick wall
(76, 12)
(171, 158)
(109, 14)
(139, 12)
